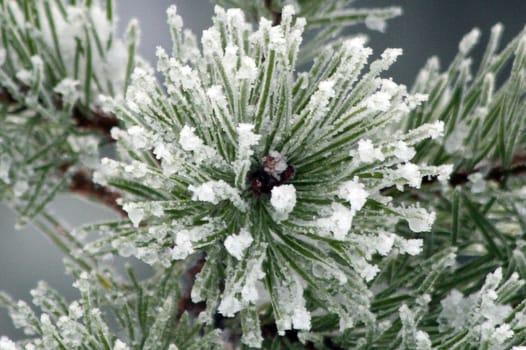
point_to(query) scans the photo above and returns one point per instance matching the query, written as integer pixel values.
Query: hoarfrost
(134, 213)
(375, 23)
(7, 344)
(189, 140)
(339, 223)
(419, 219)
(5, 165)
(408, 173)
(237, 244)
(468, 41)
(367, 153)
(354, 192)
(283, 199)
(216, 191)
(2, 56)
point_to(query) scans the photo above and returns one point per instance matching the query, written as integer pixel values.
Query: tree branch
(82, 184)
(496, 174)
(276, 15)
(185, 303)
(97, 120)
(5, 96)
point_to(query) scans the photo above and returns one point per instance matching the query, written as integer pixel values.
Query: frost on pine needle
(475, 135)
(92, 321)
(486, 320)
(56, 58)
(283, 199)
(325, 21)
(242, 154)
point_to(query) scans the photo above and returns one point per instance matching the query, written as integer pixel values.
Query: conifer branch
(263, 196)
(83, 185)
(276, 15)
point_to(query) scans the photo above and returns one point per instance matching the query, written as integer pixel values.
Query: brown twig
(82, 184)
(5, 96)
(495, 174)
(97, 120)
(276, 15)
(185, 303)
(92, 120)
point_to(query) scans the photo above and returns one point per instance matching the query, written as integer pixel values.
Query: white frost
(7, 344)
(354, 192)
(2, 56)
(419, 219)
(384, 243)
(174, 20)
(274, 164)
(237, 244)
(379, 101)
(367, 153)
(135, 214)
(375, 23)
(435, 130)
(229, 306)
(403, 152)
(119, 345)
(183, 245)
(410, 246)
(189, 140)
(301, 318)
(247, 139)
(468, 41)
(217, 191)
(5, 165)
(339, 223)
(75, 311)
(410, 174)
(248, 69)
(68, 88)
(283, 198)
(366, 270)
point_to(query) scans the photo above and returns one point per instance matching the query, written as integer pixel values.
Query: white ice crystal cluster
(60, 325)
(278, 177)
(85, 323)
(486, 320)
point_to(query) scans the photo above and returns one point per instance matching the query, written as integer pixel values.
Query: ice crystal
(481, 313)
(237, 244)
(7, 344)
(283, 199)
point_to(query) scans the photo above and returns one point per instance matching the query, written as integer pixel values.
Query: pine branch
(496, 174)
(185, 303)
(82, 184)
(5, 97)
(276, 15)
(97, 120)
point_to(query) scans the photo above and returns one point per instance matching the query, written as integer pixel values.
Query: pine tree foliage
(280, 206)
(56, 58)
(271, 237)
(482, 110)
(111, 313)
(325, 20)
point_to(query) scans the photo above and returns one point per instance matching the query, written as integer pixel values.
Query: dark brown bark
(276, 15)
(95, 121)
(185, 303)
(82, 184)
(495, 174)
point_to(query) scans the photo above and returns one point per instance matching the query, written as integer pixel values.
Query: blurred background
(427, 27)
